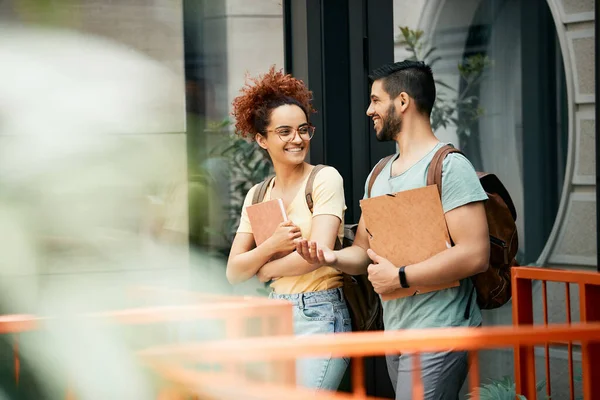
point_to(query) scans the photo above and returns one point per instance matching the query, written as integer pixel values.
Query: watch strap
(402, 276)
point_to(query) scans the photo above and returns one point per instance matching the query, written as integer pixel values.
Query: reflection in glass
(501, 100)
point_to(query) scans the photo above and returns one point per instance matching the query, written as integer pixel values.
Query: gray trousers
(443, 374)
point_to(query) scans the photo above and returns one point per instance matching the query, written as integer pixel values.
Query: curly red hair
(252, 108)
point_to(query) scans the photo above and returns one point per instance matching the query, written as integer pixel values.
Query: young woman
(274, 110)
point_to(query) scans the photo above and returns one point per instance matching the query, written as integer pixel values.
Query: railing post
(522, 308)
(358, 377)
(590, 352)
(17, 359)
(474, 375)
(235, 329)
(284, 326)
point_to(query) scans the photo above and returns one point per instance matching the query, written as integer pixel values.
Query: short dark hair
(413, 77)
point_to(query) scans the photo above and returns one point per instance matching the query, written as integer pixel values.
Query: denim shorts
(317, 313)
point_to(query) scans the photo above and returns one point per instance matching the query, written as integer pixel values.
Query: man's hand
(382, 274)
(315, 254)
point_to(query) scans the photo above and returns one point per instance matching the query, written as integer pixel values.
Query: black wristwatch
(402, 275)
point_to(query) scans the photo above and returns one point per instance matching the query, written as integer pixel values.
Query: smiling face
(387, 121)
(282, 138)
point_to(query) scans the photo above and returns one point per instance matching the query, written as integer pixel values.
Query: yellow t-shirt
(328, 199)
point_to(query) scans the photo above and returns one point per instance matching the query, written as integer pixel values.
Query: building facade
(518, 83)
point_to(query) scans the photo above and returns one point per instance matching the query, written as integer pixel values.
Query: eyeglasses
(287, 134)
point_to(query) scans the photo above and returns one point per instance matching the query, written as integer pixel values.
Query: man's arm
(324, 231)
(352, 260)
(469, 256)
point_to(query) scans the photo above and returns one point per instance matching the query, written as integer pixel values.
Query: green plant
(504, 389)
(458, 108)
(48, 12)
(248, 164)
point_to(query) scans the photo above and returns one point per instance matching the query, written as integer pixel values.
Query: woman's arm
(327, 215)
(324, 231)
(245, 259)
(352, 260)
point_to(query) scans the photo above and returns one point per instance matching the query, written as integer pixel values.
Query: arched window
(502, 100)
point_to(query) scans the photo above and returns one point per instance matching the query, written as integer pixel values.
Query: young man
(402, 96)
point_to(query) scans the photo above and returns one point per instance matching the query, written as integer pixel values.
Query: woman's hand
(283, 240)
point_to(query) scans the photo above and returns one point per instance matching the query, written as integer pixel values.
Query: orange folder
(406, 228)
(265, 217)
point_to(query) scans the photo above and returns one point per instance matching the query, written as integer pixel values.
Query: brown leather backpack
(494, 285)
(363, 303)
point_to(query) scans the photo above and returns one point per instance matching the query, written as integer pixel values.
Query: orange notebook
(265, 217)
(406, 228)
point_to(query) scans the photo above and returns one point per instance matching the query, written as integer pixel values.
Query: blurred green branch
(248, 165)
(504, 389)
(458, 108)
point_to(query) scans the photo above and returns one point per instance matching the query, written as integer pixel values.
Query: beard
(391, 125)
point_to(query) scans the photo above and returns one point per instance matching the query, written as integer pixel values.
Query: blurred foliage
(248, 165)
(504, 389)
(458, 108)
(48, 12)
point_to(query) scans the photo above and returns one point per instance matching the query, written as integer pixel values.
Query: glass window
(224, 42)
(501, 98)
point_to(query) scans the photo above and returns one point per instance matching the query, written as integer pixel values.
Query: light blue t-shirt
(443, 308)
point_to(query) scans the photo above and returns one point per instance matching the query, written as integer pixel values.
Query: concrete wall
(125, 67)
(94, 118)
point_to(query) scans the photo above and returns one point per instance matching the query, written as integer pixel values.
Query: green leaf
(434, 60)
(429, 52)
(405, 31)
(443, 84)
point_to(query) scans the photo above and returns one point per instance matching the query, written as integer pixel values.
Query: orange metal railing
(275, 317)
(15, 325)
(223, 386)
(364, 344)
(229, 358)
(523, 315)
(522, 337)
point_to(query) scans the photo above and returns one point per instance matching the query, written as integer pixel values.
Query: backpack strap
(434, 173)
(261, 190)
(309, 200)
(434, 177)
(309, 186)
(377, 170)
